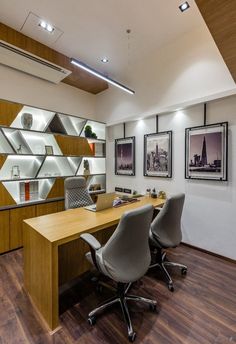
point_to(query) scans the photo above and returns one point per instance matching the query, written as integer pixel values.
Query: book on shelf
(29, 191)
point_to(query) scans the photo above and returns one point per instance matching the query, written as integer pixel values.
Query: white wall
(187, 71)
(22, 88)
(209, 219)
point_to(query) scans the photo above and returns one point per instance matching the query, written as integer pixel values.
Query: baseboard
(209, 252)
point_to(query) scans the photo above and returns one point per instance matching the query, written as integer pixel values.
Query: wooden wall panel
(4, 231)
(72, 145)
(8, 112)
(220, 17)
(58, 189)
(5, 197)
(17, 216)
(46, 208)
(78, 78)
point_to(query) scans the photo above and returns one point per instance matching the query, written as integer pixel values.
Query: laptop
(104, 201)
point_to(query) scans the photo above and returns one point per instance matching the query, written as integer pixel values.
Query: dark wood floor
(202, 310)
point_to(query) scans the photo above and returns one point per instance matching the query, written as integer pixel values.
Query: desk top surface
(70, 224)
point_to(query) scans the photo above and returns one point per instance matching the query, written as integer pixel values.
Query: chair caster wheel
(132, 337)
(153, 307)
(92, 320)
(171, 287)
(184, 271)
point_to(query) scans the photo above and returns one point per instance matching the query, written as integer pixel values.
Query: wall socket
(118, 189)
(129, 191)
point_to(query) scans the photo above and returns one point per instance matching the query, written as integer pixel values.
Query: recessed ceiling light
(183, 7)
(46, 26)
(104, 60)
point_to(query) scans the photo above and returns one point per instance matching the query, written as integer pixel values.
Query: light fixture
(104, 60)
(101, 76)
(46, 26)
(184, 6)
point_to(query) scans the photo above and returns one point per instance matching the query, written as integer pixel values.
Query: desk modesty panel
(54, 253)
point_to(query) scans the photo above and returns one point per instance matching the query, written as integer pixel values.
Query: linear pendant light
(101, 76)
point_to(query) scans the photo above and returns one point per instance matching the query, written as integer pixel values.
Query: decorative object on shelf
(19, 149)
(15, 172)
(125, 156)
(154, 193)
(29, 191)
(206, 152)
(86, 167)
(27, 120)
(49, 150)
(158, 155)
(148, 192)
(88, 132)
(162, 195)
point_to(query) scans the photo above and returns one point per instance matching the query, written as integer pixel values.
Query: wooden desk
(54, 254)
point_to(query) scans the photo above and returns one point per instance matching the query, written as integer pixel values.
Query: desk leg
(41, 275)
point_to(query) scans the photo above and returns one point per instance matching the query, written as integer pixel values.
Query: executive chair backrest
(76, 193)
(167, 224)
(127, 252)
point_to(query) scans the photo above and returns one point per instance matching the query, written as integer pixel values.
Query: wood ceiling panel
(220, 17)
(78, 77)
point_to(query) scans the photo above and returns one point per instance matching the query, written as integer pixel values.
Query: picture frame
(49, 150)
(206, 152)
(157, 158)
(125, 156)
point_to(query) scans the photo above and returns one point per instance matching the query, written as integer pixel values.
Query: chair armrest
(158, 208)
(91, 241)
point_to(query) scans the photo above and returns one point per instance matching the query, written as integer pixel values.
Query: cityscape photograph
(124, 156)
(205, 152)
(157, 154)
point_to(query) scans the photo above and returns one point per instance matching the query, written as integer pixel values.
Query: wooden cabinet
(60, 205)
(17, 216)
(46, 208)
(4, 231)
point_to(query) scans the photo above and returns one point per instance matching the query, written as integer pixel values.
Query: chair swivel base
(162, 263)
(122, 297)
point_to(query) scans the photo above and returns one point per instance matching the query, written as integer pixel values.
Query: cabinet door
(4, 231)
(60, 205)
(16, 224)
(46, 208)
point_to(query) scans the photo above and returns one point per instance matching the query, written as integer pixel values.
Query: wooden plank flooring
(202, 310)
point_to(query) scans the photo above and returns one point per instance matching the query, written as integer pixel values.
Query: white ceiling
(92, 29)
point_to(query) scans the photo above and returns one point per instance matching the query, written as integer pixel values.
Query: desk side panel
(40, 274)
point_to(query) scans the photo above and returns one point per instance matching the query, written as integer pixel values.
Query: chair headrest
(75, 182)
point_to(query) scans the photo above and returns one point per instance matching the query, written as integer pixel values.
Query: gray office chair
(76, 193)
(125, 258)
(165, 232)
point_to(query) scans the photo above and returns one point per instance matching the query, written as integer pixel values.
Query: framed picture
(206, 152)
(125, 156)
(49, 150)
(158, 155)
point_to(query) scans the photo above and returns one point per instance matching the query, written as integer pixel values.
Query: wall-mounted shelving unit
(36, 157)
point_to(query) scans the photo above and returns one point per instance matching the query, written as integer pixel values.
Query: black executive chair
(125, 258)
(76, 193)
(165, 232)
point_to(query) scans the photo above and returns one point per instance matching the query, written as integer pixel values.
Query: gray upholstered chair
(165, 232)
(76, 193)
(125, 258)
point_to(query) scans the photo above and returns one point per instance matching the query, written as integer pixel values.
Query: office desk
(54, 254)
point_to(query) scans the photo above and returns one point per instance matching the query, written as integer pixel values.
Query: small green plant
(89, 132)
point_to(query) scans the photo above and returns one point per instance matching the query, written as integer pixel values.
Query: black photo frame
(125, 156)
(157, 158)
(206, 152)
